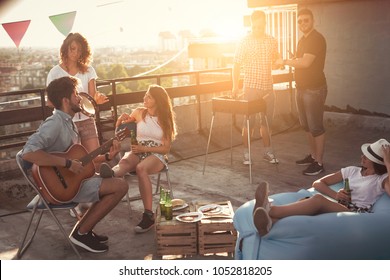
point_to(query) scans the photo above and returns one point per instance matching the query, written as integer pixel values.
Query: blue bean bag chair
(330, 236)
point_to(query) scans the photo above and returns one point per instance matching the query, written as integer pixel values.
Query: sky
(132, 23)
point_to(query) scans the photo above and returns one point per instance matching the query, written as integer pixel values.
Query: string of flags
(16, 30)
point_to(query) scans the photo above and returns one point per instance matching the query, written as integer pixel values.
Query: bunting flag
(64, 22)
(16, 30)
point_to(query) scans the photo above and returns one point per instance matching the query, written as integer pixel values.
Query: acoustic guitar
(58, 184)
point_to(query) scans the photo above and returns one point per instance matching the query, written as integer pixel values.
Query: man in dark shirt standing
(311, 89)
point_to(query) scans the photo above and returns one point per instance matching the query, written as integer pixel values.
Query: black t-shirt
(312, 77)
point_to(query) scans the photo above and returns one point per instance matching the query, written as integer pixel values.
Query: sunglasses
(300, 21)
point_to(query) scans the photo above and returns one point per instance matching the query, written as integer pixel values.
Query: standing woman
(156, 129)
(75, 59)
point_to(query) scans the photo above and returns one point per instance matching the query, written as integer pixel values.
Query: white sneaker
(270, 157)
(78, 210)
(246, 159)
(81, 208)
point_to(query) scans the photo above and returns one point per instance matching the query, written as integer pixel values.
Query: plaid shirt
(256, 55)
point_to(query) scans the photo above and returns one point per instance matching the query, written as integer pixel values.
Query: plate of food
(178, 204)
(210, 209)
(191, 217)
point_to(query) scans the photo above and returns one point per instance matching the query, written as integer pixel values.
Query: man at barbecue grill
(258, 54)
(57, 134)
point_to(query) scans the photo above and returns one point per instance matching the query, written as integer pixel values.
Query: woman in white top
(367, 183)
(156, 129)
(75, 59)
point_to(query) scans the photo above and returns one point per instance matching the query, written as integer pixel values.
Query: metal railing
(198, 84)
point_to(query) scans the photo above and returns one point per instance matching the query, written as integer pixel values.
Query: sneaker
(78, 211)
(306, 161)
(87, 241)
(261, 196)
(270, 157)
(262, 221)
(101, 238)
(246, 160)
(146, 224)
(313, 169)
(106, 171)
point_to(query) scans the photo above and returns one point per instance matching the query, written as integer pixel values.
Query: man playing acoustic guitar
(50, 148)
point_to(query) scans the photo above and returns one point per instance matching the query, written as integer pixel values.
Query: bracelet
(107, 156)
(68, 163)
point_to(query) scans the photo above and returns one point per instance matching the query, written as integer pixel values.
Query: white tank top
(149, 129)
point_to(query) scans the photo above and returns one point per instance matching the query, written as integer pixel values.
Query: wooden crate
(217, 235)
(174, 237)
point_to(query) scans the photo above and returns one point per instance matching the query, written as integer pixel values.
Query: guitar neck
(102, 149)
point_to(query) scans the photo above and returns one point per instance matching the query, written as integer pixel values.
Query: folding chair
(37, 206)
(133, 126)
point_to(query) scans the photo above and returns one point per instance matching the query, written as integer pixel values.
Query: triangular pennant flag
(16, 30)
(64, 22)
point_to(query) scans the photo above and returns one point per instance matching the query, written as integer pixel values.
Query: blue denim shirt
(56, 134)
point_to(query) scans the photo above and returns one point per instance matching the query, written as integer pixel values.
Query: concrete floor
(222, 180)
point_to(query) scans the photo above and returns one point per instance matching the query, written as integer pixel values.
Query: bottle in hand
(348, 191)
(133, 138)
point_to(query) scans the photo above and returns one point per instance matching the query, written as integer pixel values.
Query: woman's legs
(150, 165)
(127, 164)
(315, 205)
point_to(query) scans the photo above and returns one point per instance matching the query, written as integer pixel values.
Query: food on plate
(189, 218)
(210, 208)
(177, 202)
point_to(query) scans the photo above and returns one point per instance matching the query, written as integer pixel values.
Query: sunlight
(124, 22)
(8, 255)
(229, 32)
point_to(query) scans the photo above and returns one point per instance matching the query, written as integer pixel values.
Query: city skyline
(130, 23)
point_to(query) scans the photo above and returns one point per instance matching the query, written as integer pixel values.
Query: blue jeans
(251, 94)
(310, 104)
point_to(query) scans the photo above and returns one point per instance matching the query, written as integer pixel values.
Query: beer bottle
(348, 191)
(133, 138)
(162, 200)
(168, 205)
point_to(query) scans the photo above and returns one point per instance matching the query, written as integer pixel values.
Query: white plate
(210, 209)
(180, 207)
(195, 217)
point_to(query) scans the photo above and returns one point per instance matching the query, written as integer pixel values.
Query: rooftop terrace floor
(221, 181)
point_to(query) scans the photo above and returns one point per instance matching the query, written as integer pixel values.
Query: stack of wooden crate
(211, 235)
(174, 237)
(217, 234)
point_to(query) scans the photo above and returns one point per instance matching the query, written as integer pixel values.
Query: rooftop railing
(21, 112)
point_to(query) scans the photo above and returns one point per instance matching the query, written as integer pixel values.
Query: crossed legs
(264, 218)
